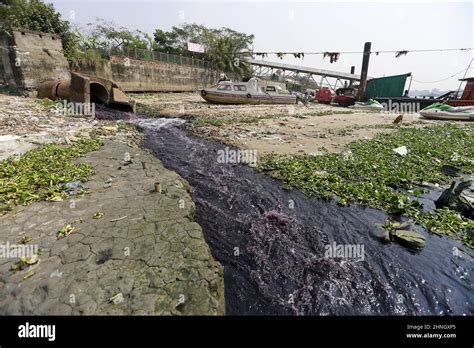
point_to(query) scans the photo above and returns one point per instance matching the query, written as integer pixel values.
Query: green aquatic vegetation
(329, 112)
(223, 121)
(98, 215)
(39, 173)
(65, 231)
(444, 221)
(373, 174)
(148, 110)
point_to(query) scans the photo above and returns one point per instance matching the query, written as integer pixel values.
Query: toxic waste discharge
(281, 250)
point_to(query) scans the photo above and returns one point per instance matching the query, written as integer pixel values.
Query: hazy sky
(317, 26)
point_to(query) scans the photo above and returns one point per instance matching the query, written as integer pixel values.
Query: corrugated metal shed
(389, 86)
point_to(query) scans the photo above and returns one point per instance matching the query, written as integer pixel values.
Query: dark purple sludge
(272, 244)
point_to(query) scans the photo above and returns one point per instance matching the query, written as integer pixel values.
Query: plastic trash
(402, 150)
(73, 187)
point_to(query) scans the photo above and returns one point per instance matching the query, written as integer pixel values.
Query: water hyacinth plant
(39, 173)
(372, 174)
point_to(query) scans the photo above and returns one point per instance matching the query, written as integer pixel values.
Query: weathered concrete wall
(3, 57)
(141, 76)
(31, 58)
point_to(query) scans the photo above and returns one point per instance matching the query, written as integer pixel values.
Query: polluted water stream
(273, 243)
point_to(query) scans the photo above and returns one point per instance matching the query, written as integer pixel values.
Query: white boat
(440, 111)
(227, 92)
(370, 105)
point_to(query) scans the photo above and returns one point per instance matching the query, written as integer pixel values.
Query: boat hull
(366, 107)
(345, 100)
(441, 115)
(231, 98)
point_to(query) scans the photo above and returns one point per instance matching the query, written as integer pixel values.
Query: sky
(317, 26)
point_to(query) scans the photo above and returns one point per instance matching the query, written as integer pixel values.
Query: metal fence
(142, 54)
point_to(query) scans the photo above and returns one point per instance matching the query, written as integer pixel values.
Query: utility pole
(464, 76)
(364, 70)
(351, 82)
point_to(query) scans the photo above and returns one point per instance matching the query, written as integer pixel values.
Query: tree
(110, 36)
(225, 47)
(35, 15)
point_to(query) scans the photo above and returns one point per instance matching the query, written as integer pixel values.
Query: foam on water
(158, 123)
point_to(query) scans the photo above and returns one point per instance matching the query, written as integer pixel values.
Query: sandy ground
(26, 123)
(314, 128)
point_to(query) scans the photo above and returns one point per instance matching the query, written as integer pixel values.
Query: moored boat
(369, 105)
(227, 92)
(441, 111)
(345, 96)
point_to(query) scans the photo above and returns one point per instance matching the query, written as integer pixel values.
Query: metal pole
(409, 86)
(364, 70)
(464, 76)
(351, 82)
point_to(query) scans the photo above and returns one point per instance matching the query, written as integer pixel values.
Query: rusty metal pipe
(64, 89)
(48, 89)
(85, 89)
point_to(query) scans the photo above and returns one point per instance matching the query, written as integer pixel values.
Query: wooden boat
(440, 111)
(345, 96)
(227, 92)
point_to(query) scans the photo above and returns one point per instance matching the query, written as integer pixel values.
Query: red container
(324, 95)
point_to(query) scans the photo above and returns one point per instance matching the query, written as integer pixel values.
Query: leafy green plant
(65, 231)
(38, 16)
(98, 215)
(38, 174)
(374, 175)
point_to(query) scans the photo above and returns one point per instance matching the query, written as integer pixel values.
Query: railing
(142, 54)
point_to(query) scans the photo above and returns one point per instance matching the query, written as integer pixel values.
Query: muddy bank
(312, 128)
(272, 245)
(132, 250)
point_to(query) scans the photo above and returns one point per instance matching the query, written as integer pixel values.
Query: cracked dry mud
(156, 256)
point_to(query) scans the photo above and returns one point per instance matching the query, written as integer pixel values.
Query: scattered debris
(29, 275)
(108, 182)
(56, 273)
(298, 55)
(24, 262)
(74, 187)
(449, 170)
(157, 187)
(118, 219)
(98, 215)
(333, 56)
(25, 239)
(459, 198)
(402, 150)
(117, 299)
(65, 231)
(410, 239)
(400, 53)
(107, 130)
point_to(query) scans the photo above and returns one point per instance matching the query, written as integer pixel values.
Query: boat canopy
(251, 86)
